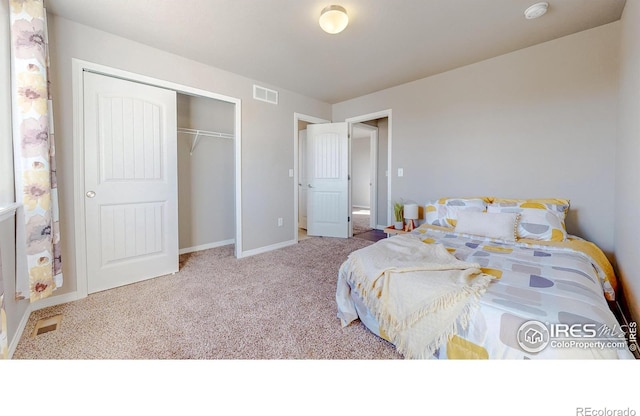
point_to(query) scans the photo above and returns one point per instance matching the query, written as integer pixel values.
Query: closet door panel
(130, 182)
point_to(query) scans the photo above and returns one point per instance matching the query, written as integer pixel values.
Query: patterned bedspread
(547, 302)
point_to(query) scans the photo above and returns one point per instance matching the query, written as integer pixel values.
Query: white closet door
(130, 181)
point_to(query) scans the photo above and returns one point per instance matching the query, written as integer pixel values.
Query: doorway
(300, 123)
(206, 212)
(364, 146)
(79, 68)
(381, 182)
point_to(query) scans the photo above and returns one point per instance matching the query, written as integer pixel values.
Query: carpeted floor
(361, 218)
(277, 305)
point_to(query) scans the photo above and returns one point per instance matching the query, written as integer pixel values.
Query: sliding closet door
(130, 181)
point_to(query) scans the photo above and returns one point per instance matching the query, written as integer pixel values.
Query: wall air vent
(265, 94)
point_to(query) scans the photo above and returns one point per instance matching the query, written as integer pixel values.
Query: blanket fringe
(394, 329)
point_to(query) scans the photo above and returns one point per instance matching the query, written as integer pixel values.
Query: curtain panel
(34, 150)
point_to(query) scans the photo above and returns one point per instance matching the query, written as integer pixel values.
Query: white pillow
(503, 225)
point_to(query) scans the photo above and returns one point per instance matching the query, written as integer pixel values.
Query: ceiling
(387, 42)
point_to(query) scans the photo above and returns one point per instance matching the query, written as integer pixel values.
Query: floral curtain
(34, 150)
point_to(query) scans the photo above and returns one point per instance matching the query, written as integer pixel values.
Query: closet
(206, 166)
(160, 165)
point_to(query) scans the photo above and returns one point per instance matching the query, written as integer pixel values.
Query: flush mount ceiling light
(333, 19)
(536, 10)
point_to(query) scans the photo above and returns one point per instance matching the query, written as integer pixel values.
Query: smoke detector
(536, 10)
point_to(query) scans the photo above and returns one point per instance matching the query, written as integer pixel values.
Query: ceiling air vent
(265, 94)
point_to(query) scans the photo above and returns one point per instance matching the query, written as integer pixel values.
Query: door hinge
(348, 219)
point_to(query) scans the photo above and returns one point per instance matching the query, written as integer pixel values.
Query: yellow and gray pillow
(539, 219)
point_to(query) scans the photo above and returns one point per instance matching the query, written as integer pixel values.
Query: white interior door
(327, 163)
(130, 181)
(302, 179)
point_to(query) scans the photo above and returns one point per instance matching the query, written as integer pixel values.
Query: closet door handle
(91, 194)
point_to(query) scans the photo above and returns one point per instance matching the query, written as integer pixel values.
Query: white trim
(272, 247)
(206, 246)
(32, 307)
(55, 300)
(297, 117)
(373, 169)
(8, 211)
(374, 116)
(373, 197)
(78, 67)
(19, 331)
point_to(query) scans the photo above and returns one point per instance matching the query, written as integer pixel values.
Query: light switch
(400, 172)
(291, 173)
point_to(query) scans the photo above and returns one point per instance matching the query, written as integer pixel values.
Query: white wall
(539, 122)
(267, 142)
(6, 150)
(627, 196)
(360, 169)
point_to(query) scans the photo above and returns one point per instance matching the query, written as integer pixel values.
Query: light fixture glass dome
(333, 19)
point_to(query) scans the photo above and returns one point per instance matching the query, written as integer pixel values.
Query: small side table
(392, 230)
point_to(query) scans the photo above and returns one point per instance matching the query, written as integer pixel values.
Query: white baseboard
(265, 249)
(206, 246)
(41, 304)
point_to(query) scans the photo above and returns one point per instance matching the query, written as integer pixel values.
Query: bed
(486, 278)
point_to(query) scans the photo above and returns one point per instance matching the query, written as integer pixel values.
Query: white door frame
(373, 172)
(297, 117)
(375, 116)
(78, 67)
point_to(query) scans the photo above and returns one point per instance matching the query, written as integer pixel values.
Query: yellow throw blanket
(419, 293)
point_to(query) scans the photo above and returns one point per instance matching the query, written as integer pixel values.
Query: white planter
(398, 225)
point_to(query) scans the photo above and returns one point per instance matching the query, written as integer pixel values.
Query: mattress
(547, 301)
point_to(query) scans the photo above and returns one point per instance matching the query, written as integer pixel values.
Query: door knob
(309, 185)
(91, 194)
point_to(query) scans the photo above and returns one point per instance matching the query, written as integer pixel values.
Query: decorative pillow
(540, 219)
(502, 225)
(444, 211)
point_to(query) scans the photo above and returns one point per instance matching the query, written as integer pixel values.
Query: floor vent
(47, 325)
(265, 94)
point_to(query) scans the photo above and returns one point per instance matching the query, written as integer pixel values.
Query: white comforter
(418, 292)
(537, 288)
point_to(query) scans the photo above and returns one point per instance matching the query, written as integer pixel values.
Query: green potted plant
(398, 208)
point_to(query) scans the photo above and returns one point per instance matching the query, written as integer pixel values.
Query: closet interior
(206, 166)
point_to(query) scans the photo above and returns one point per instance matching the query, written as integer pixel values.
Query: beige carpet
(277, 305)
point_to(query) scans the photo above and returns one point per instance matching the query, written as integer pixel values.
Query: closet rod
(205, 133)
